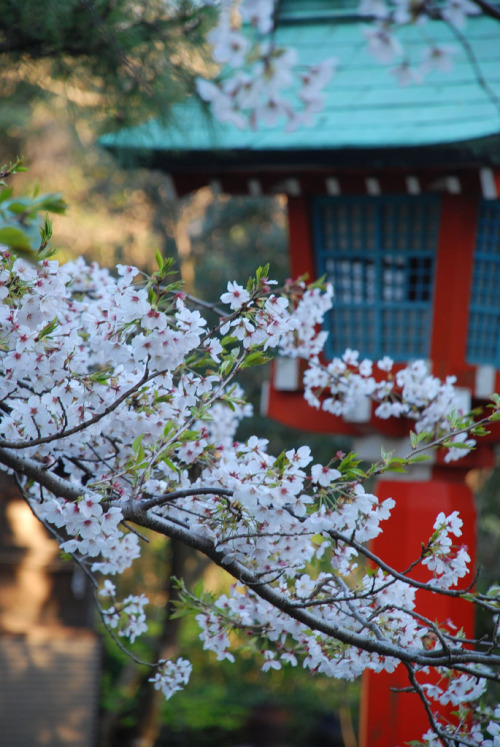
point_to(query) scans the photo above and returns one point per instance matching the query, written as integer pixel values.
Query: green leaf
(480, 430)
(262, 272)
(19, 206)
(179, 612)
(417, 438)
(170, 464)
(100, 377)
(6, 194)
(255, 359)
(468, 597)
(456, 445)
(319, 283)
(228, 340)
(189, 436)
(396, 468)
(47, 330)
(199, 589)
(46, 231)
(349, 461)
(159, 260)
(53, 203)
(225, 366)
(14, 237)
(170, 426)
(137, 443)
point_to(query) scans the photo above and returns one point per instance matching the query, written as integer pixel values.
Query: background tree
(117, 60)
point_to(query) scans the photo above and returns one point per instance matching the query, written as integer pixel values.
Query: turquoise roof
(364, 105)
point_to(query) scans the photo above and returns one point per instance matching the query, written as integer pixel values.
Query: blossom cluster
(390, 17)
(473, 734)
(172, 676)
(119, 404)
(447, 563)
(261, 81)
(128, 616)
(261, 71)
(342, 385)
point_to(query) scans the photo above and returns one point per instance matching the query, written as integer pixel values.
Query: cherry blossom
(113, 415)
(438, 57)
(235, 296)
(171, 676)
(456, 12)
(260, 14)
(261, 81)
(383, 45)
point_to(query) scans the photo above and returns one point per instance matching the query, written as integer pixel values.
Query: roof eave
(468, 154)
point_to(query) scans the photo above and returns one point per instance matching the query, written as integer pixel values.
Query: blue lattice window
(483, 342)
(379, 253)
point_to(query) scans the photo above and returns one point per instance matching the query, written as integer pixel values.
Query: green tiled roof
(364, 105)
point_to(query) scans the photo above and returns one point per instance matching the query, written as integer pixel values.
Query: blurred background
(63, 682)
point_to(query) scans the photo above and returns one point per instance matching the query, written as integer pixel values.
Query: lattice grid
(483, 342)
(379, 253)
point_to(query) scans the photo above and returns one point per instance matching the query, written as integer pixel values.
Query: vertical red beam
(388, 717)
(300, 238)
(452, 288)
(496, 177)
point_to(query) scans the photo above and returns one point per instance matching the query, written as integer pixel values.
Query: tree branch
(488, 9)
(82, 426)
(169, 497)
(35, 471)
(421, 657)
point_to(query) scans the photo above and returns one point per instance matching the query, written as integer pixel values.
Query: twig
(475, 66)
(77, 428)
(169, 497)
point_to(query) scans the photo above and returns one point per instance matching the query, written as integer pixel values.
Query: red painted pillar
(300, 238)
(452, 289)
(390, 719)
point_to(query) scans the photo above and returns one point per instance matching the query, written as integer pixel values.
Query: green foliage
(234, 235)
(22, 227)
(124, 60)
(222, 697)
(46, 331)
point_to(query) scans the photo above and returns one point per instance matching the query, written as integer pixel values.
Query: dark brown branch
(392, 572)
(493, 11)
(169, 497)
(36, 471)
(435, 657)
(476, 67)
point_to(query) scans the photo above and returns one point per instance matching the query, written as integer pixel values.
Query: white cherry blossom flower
(324, 475)
(438, 57)
(235, 296)
(456, 12)
(259, 13)
(383, 45)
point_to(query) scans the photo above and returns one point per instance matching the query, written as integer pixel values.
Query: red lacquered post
(388, 718)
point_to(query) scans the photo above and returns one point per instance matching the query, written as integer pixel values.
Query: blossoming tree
(259, 82)
(119, 409)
